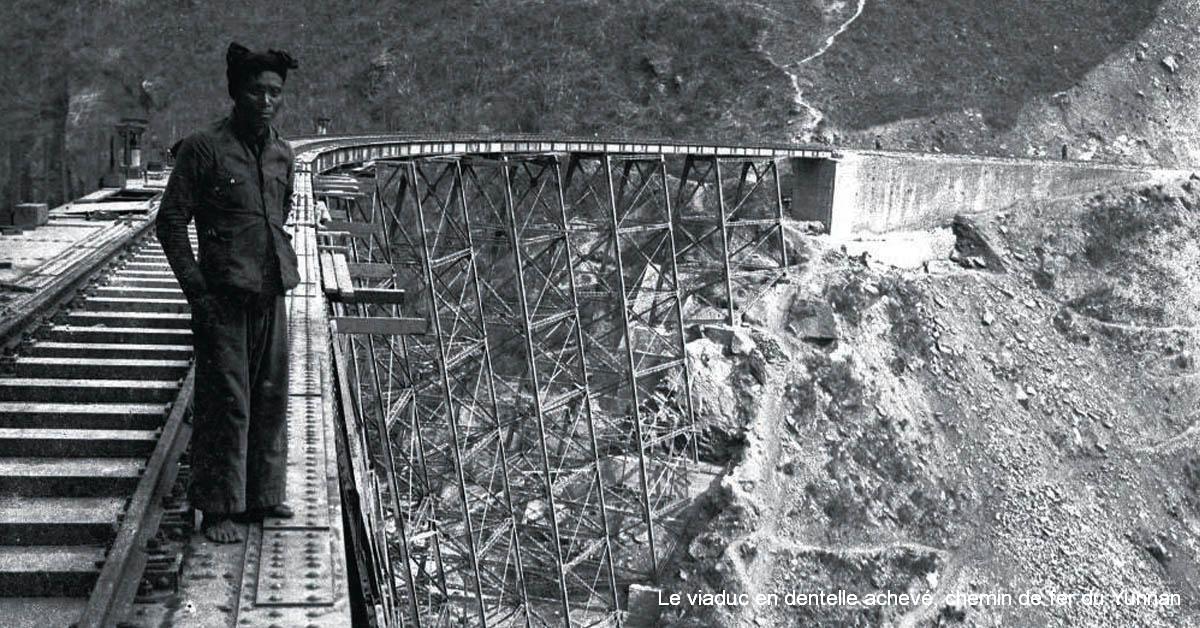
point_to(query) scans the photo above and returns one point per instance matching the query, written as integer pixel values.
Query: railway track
(95, 392)
(92, 408)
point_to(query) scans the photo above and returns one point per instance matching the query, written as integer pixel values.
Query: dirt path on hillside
(813, 116)
(758, 468)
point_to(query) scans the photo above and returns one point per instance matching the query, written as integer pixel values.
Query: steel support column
(451, 408)
(546, 418)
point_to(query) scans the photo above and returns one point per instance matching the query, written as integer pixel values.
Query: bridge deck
(287, 572)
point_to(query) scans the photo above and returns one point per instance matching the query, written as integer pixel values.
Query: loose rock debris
(965, 438)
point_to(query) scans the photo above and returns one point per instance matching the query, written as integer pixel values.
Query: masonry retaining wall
(876, 191)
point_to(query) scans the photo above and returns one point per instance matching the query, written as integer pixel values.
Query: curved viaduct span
(513, 314)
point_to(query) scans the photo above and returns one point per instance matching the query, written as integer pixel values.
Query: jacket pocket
(226, 183)
(233, 191)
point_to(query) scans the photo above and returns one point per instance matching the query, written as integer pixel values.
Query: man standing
(235, 179)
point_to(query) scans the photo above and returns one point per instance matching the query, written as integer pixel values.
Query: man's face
(260, 98)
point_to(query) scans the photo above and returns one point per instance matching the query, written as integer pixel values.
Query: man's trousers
(239, 425)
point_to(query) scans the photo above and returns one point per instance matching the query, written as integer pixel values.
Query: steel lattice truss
(541, 433)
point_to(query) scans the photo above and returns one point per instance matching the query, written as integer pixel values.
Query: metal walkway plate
(306, 483)
(294, 569)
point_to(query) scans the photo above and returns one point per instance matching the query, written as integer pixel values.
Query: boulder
(735, 339)
(973, 246)
(813, 320)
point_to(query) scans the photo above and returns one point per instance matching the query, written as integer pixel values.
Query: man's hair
(242, 65)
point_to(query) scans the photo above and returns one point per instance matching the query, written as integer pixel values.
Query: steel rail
(67, 286)
(119, 577)
(118, 581)
(310, 142)
(371, 147)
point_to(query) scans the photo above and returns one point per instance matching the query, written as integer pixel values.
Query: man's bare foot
(254, 515)
(280, 511)
(220, 529)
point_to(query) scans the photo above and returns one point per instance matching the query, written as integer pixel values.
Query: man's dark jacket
(217, 180)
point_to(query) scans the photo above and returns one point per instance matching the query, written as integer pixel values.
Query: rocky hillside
(1112, 79)
(1013, 415)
